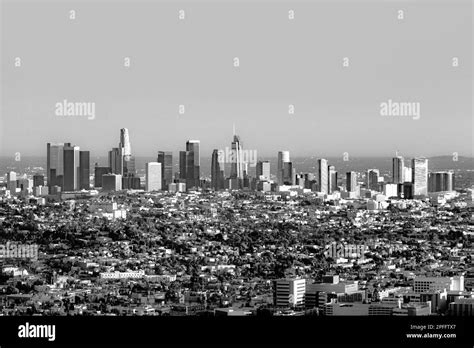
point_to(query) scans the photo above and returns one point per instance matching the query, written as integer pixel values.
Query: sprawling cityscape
(86, 239)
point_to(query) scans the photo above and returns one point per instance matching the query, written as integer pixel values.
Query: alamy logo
(231, 156)
(66, 108)
(392, 108)
(18, 251)
(337, 250)
(33, 331)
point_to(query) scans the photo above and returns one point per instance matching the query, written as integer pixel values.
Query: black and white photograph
(236, 172)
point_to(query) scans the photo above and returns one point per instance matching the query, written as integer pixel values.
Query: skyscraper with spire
(121, 160)
(236, 165)
(125, 144)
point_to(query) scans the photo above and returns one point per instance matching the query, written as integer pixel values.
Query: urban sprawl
(111, 242)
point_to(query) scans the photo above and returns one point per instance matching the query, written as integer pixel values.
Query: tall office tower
(11, 182)
(153, 176)
(283, 157)
(129, 166)
(98, 173)
(193, 164)
(116, 160)
(125, 144)
(288, 173)
(398, 170)
(419, 174)
(440, 181)
(166, 160)
(55, 164)
(372, 180)
(71, 168)
(351, 181)
(217, 173)
(322, 175)
(38, 180)
(332, 179)
(263, 170)
(183, 160)
(84, 170)
(236, 165)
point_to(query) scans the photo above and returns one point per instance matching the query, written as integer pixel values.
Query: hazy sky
(282, 62)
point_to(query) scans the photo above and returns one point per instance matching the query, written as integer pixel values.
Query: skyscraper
(116, 160)
(217, 174)
(125, 144)
(193, 164)
(263, 170)
(71, 168)
(288, 173)
(153, 176)
(84, 170)
(372, 179)
(183, 165)
(166, 160)
(120, 158)
(11, 182)
(419, 174)
(55, 164)
(129, 166)
(283, 157)
(398, 170)
(351, 181)
(332, 179)
(322, 175)
(236, 165)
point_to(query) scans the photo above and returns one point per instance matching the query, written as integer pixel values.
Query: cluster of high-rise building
(68, 169)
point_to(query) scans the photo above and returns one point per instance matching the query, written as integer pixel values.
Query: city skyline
(68, 169)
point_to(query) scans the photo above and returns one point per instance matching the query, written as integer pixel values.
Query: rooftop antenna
(233, 128)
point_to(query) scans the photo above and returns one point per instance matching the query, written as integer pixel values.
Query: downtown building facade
(153, 176)
(322, 176)
(440, 181)
(351, 181)
(419, 174)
